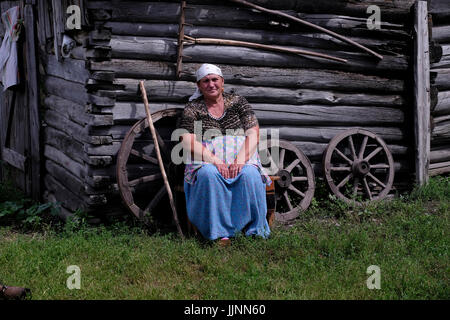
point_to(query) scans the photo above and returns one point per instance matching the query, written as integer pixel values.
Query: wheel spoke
(367, 189)
(282, 153)
(301, 194)
(344, 181)
(294, 179)
(292, 165)
(156, 199)
(355, 186)
(379, 166)
(144, 156)
(352, 147)
(343, 156)
(363, 147)
(288, 202)
(376, 180)
(370, 156)
(341, 169)
(149, 178)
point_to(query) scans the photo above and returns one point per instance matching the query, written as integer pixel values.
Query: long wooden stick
(259, 46)
(309, 24)
(158, 155)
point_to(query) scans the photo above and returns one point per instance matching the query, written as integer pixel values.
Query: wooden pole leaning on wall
(158, 155)
(226, 42)
(309, 24)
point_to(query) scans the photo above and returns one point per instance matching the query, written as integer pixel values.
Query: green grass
(323, 255)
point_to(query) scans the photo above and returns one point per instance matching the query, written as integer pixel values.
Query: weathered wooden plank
(285, 114)
(14, 158)
(441, 130)
(308, 40)
(441, 34)
(76, 112)
(58, 27)
(421, 92)
(180, 91)
(257, 76)
(444, 62)
(309, 133)
(440, 154)
(442, 80)
(123, 47)
(69, 69)
(61, 194)
(34, 175)
(440, 11)
(65, 143)
(225, 16)
(62, 159)
(443, 104)
(68, 90)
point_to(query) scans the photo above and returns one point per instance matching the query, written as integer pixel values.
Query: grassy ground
(323, 255)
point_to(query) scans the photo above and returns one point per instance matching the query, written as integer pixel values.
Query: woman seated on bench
(224, 183)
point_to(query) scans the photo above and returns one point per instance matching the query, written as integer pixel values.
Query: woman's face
(211, 86)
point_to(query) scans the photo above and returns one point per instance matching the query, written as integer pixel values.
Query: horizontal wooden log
(439, 168)
(61, 122)
(441, 154)
(65, 143)
(310, 133)
(208, 15)
(76, 112)
(440, 11)
(441, 130)
(69, 69)
(71, 165)
(308, 40)
(68, 90)
(285, 114)
(180, 91)
(444, 62)
(74, 184)
(443, 104)
(441, 34)
(123, 47)
(257, 76)
(63, 195)
(442, 80)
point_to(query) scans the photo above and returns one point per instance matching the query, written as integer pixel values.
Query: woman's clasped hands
(228, 171)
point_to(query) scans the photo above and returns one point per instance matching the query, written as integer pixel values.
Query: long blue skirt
(221, 207)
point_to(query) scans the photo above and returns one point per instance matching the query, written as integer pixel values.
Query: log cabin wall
(65, 97)
(91, 98)
(440, 72)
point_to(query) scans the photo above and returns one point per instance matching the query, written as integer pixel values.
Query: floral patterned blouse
(228, 132)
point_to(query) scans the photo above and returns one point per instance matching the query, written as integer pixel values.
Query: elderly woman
(224, 184)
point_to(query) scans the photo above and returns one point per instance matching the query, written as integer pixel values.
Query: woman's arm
(247, 150)
(199, 152)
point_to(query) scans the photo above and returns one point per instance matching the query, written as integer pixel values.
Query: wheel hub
(361, 168)
(285, 179)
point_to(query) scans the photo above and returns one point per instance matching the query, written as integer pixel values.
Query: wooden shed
(70, 119)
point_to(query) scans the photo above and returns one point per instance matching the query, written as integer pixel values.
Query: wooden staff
(309, 24)
(258, 46)
(158, 155)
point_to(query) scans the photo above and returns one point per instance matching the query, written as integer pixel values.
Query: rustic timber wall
(91, 98)
(440, 72)
(65, 96)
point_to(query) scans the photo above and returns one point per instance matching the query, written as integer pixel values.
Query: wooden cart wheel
(358, 166)
(139, 178)
(293, 177)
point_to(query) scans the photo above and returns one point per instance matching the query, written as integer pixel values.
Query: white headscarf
(203, 71)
